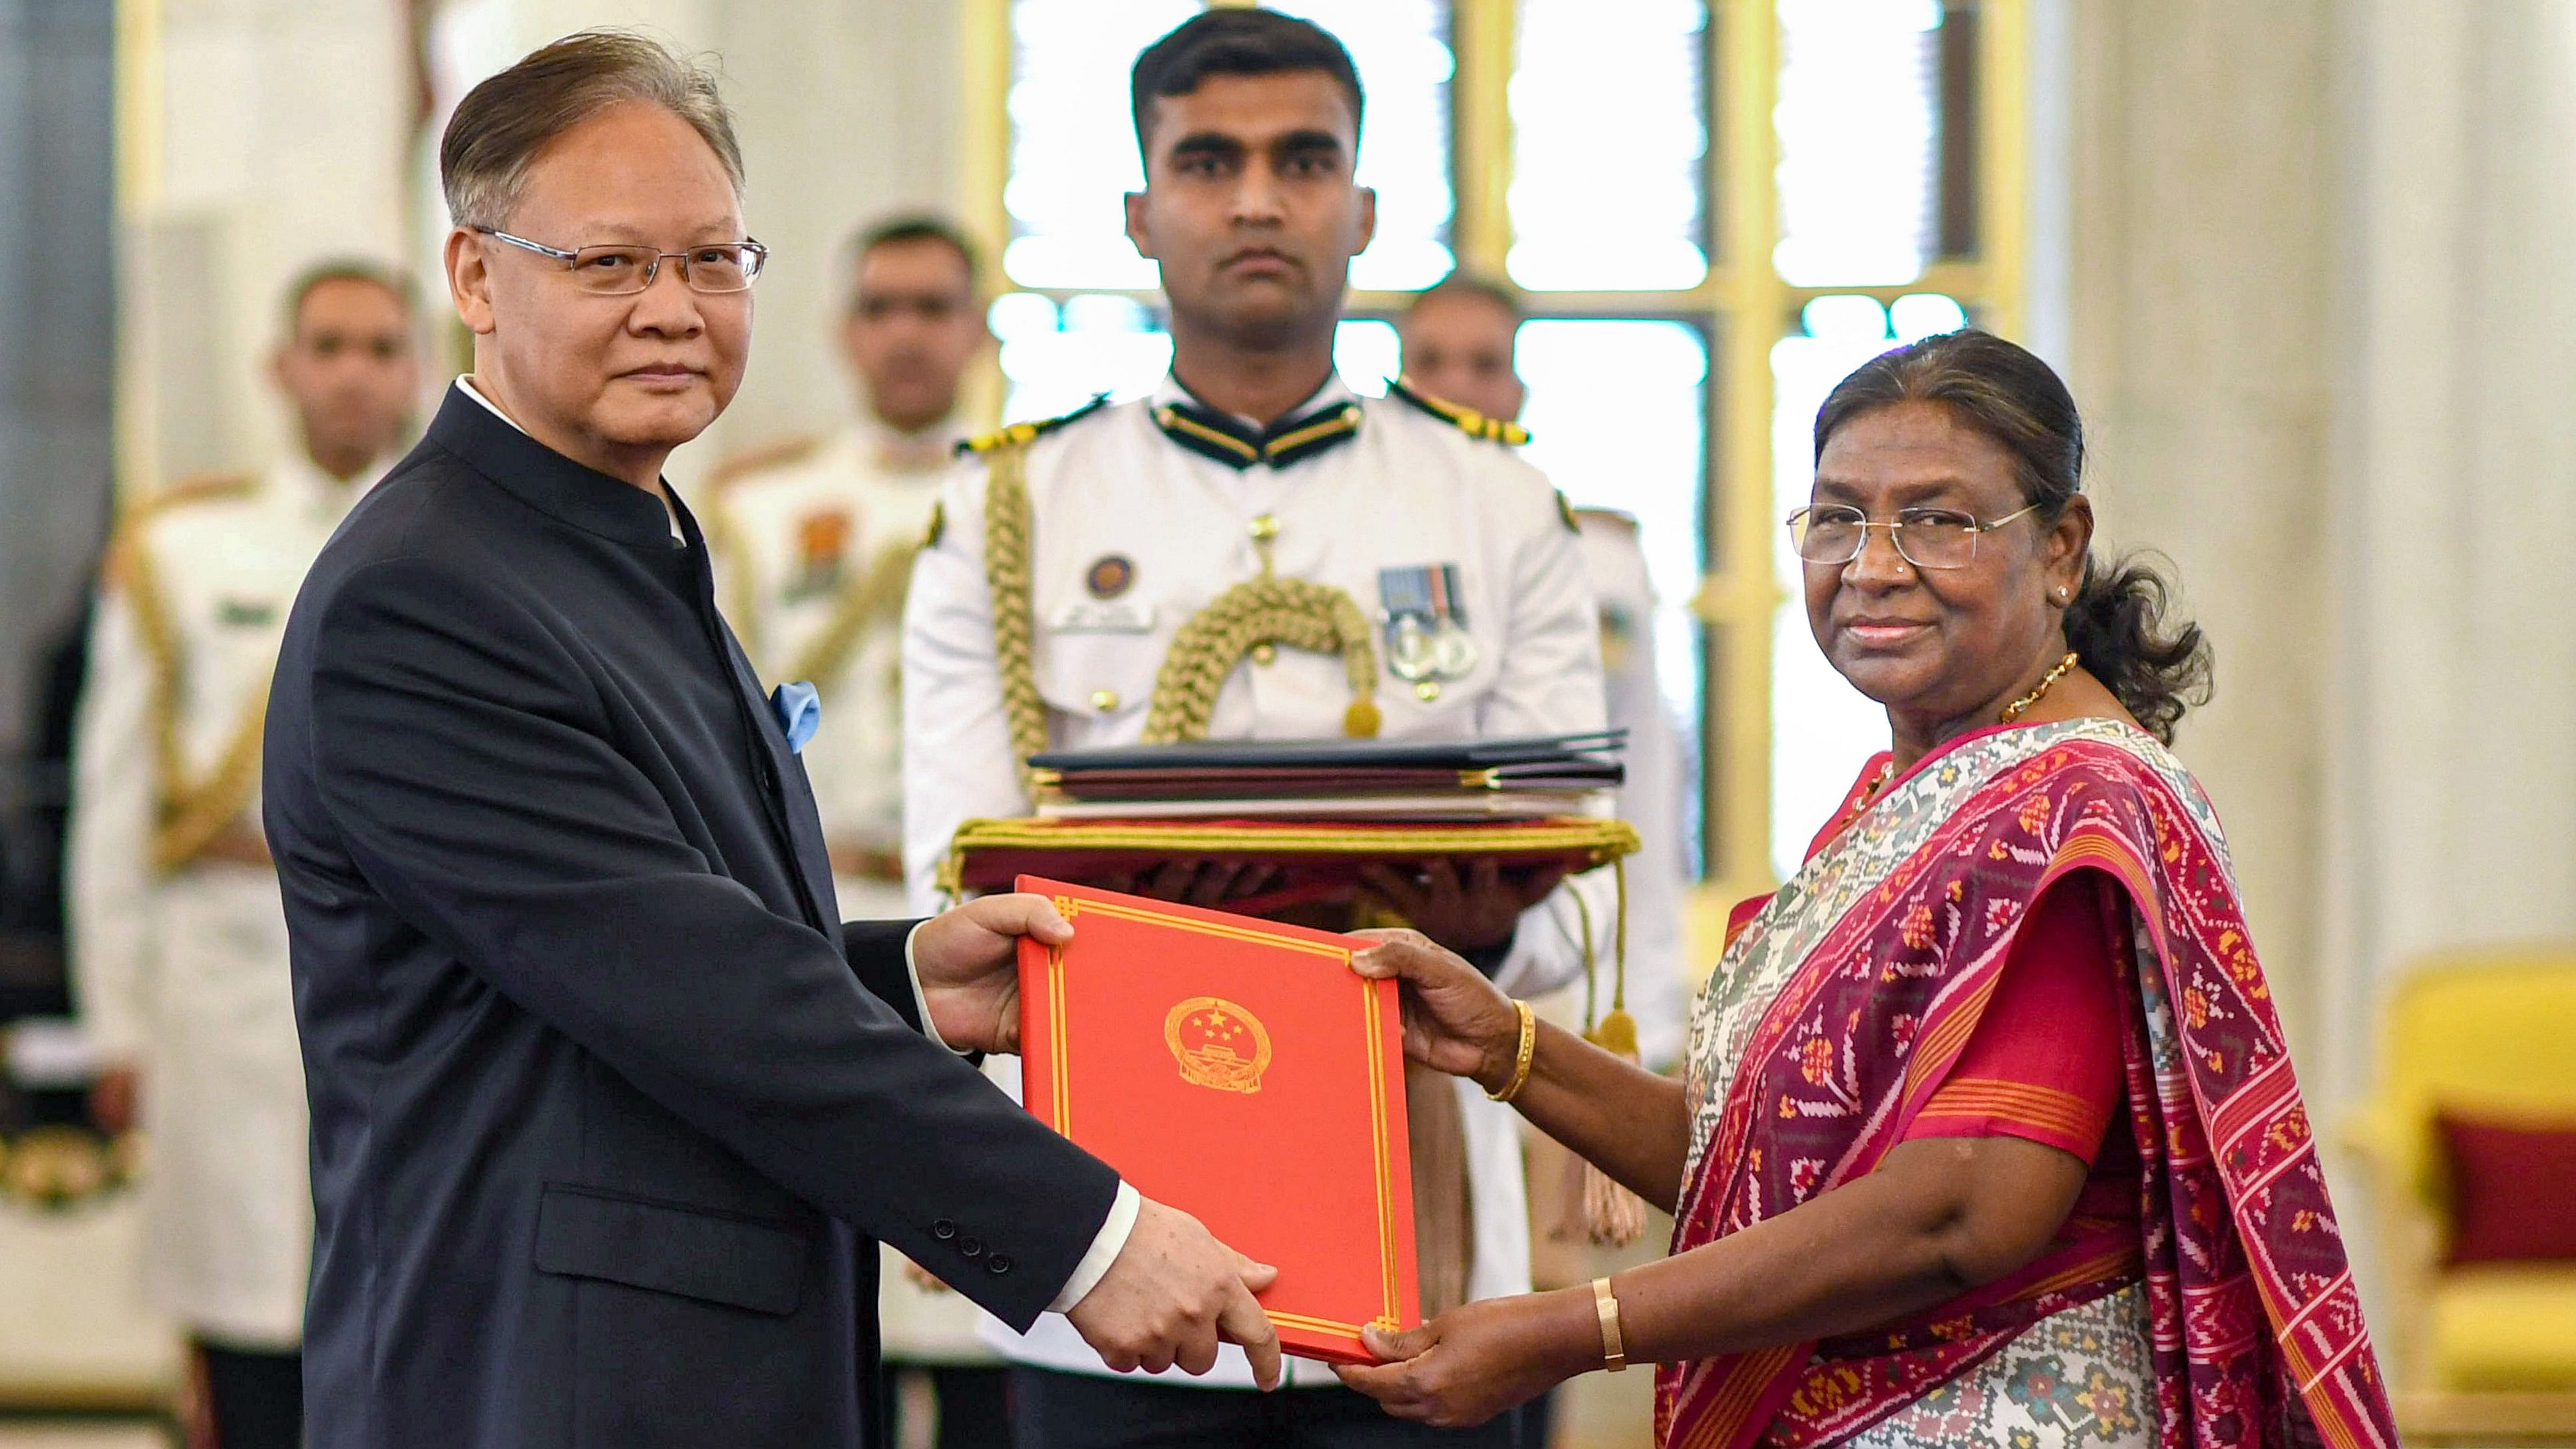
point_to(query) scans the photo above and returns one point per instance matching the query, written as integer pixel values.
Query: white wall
(257, 136)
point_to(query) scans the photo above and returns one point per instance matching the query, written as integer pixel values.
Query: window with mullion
(1609, 108)
(1876, 125)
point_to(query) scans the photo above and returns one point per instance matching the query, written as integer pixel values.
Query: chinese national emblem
(1217, 1044)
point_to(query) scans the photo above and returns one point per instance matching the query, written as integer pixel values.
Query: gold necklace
(1878, 782)
(2013, 711)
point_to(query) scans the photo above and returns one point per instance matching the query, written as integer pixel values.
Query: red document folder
(1239, 1070)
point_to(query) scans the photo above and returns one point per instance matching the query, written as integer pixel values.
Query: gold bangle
(1614, 1346)
(1520, 1064)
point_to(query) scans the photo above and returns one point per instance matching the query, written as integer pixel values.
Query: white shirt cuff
(921, 1003)
(1104, 1250)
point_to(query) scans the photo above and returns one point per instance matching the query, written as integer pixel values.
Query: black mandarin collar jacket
(605, 1103)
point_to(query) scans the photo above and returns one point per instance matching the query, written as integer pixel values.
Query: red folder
(1239, 1070)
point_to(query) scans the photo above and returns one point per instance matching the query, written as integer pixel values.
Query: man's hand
(1171, 1295)
(1477, 913)
(1455, 1020)
(968, 962)
(1210, 883)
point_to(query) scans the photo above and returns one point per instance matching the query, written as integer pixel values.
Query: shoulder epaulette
(197, 488)
(1626, 522)
(122, 559)
(1458, 415)
(1020, 435)
(762, 458)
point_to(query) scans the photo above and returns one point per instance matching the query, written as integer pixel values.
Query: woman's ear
(2064, 548)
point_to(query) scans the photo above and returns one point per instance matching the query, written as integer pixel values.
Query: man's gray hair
(504, 123)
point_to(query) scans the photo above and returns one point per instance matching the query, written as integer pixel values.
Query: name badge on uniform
(1102, 616)
(239, 613)
(1425, 623)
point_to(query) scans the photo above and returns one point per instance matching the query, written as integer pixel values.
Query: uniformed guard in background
(1256, 552)
(814, 538)
(177, 937)
(813, 543)
(1459, 340)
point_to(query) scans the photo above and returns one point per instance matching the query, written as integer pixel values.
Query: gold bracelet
(1614, 1346)
(1521, 1064)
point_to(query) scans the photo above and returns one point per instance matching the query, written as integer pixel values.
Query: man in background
(813, 542)
(1458, 340)
(178, 944)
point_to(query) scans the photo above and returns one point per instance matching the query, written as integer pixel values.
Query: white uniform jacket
(181, 965)
(1134, 533)
(1652, 798)
(813, 547)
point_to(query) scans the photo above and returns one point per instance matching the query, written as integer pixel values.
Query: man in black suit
(606, 1103)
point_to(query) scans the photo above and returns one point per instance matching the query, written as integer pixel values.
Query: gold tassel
(1612, 1216)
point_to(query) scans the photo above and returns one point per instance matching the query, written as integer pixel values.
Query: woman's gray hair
(503, 124)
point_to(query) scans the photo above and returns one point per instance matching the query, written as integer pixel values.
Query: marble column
(2198, 348)
(2454, 819)
(2322, 319)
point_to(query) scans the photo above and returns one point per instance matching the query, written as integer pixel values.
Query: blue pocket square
(799, 710)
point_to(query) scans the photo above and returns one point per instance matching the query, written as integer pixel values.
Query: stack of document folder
(1354, 780)
(1316, 810)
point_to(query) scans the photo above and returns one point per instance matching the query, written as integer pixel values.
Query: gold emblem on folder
(1217, 1044)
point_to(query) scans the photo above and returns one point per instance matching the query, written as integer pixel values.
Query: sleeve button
(943, 1230)
(971, 1247)
(999, 1263)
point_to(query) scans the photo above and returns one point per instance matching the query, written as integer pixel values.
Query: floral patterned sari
(1836, 1013)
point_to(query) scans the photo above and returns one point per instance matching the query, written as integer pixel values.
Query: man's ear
(1368, 219)
(1137, 231)
(469, 281)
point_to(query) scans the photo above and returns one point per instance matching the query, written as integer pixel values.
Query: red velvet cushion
(2513, 1188)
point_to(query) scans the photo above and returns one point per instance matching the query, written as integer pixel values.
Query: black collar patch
(1228, 440)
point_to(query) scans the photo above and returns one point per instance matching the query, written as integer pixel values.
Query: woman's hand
(1475, 1361)
(1455, 1020)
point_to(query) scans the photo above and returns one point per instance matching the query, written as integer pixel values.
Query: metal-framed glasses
(1928, 538)
(614, 271)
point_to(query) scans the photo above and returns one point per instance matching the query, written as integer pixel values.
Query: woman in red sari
(1988, 1134)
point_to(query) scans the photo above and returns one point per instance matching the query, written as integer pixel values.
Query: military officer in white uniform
(812, 543)
(814, 539)
(177, 939)
(1458, 343)
(1254, 479)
